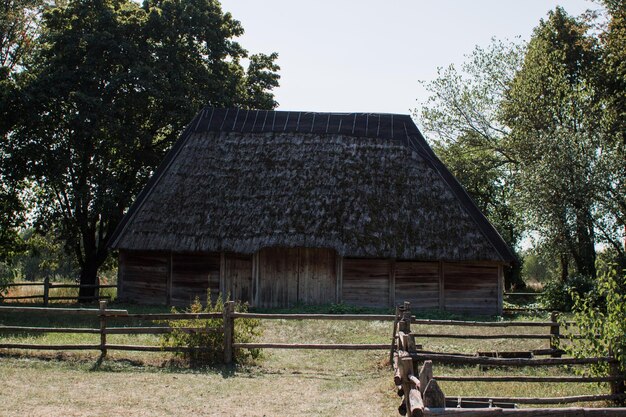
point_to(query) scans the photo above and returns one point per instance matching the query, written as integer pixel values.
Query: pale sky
(368, 56)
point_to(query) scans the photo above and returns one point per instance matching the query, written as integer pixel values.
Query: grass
(32, 290)
(282, 382)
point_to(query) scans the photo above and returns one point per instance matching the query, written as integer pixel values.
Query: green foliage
(554, 114)
(44, 256)
(601, 321)
(110, 88)
(558, 295)
(537, 266)
(461, 117)
(18, 28)
(246, 330)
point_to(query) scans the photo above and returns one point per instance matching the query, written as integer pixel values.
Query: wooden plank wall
(366, 282)
(278, 272)
(288, 276)
(418, 283)
(194, 275)
(467, 287)
(471, 288)
(144, 276)
(238, 276)
(316, 276)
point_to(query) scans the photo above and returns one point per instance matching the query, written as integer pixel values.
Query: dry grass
(282, 382)
(32, 290)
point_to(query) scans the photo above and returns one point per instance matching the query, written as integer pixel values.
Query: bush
(245, 331)
(557, 295)
(602, 321)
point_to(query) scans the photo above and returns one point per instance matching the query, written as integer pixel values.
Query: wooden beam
(168, 278)
(500, 289)
(527, 412)
(547, 400)
(433, 396)
(256, 290)
(392, 282)
(121, 260)
(442, 299)
(226, 292)
(321, 346)
(477, 360)
(339, 274)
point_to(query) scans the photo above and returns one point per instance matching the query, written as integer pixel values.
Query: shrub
(557, 295)
(602, 321)
(245, 331)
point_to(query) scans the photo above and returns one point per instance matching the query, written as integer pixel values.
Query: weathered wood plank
(366, 282)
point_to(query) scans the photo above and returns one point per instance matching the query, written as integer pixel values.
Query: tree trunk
(564, 268)
(513, 278)
(88, 276)
(585, 256)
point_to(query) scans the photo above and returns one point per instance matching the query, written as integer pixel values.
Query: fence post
(617, 387)
(103, 325)
(393, 337)
(229, 331)
(554, 333)
(405, 322)
(46, 290)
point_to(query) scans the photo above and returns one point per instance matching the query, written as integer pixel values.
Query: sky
(369, 56)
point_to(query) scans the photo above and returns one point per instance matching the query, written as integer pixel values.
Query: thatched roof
(366, 185)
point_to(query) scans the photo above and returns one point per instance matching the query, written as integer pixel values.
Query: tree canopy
(110, 87)
(535, 132)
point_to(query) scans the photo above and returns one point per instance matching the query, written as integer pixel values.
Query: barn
(281, 208)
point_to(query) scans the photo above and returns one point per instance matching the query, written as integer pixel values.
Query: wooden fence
(422, 395)
(104, 316)
(228, 328)
(47, 286)
(552, 335)
(405, 353)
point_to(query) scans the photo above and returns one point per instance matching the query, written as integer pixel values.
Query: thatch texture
(361, 190)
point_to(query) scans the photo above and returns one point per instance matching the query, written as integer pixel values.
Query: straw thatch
(364, 185)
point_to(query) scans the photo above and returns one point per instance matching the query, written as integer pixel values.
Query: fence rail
(423, 396)
(419, 388)
(104, 314)
(47, 286)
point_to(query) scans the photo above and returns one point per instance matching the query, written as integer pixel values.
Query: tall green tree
(460, 117)
(612, 85)
(112, 86)
(19, 22)
(553, 111)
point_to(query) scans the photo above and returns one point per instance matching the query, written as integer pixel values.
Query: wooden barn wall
(282, 277)
(143, 276)
(471, 288)
(288, 276)
(366, 282)
(238, 276)
(194, 275)
(317, 276)
(467, 287)
(418, 283)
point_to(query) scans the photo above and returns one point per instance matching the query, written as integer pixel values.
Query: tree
(554, 114)
(112, 86)
(19, 21)
(612, 85)
(460, 117)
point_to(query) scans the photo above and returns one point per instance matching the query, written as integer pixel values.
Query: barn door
(316, 276)
(288, 276)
